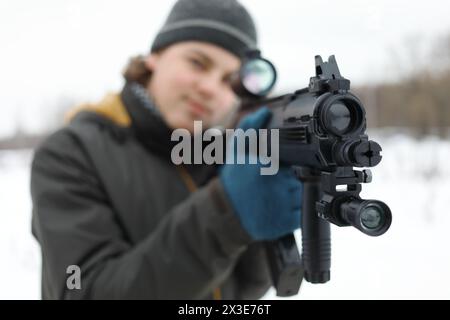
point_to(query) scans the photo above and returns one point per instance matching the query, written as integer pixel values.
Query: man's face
(190, 81)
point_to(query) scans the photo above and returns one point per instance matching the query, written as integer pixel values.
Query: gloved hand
(268, 206)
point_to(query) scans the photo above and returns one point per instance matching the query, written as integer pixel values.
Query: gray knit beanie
(225, 23)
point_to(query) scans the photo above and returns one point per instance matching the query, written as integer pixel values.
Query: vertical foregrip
(315, 237)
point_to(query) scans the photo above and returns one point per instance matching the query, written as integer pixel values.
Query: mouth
(197, 108)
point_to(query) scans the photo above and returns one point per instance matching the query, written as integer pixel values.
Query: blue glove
(268, 206)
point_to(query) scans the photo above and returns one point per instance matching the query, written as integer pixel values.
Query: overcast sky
(51, 49)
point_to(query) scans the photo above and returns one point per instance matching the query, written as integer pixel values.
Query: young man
(114, 216)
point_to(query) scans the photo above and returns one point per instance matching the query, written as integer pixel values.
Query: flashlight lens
(258, 76)
(339, 116)
(371, 217)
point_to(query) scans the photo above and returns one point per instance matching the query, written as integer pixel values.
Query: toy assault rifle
(322, 135)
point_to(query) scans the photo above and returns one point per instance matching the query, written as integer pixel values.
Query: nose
(209, 85)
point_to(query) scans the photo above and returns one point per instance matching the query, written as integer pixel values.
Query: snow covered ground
(411, 261)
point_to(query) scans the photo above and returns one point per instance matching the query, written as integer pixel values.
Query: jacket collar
(146, 121)
(151, 130)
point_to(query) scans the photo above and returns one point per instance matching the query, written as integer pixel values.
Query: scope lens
(258, 76)
(371, 217)
(341, 114)
(339, 117)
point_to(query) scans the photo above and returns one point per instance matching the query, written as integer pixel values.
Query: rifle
(322, 135)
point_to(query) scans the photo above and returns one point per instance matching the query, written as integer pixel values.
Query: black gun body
(304, 139)
(322, 136)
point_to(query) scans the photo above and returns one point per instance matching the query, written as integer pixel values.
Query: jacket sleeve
(193, 250)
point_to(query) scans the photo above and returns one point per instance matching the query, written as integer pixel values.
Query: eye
(227, 80)
(197, 64)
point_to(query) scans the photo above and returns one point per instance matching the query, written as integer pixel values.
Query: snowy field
(411, 261)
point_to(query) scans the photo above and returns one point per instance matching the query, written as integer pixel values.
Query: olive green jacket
(106, 198)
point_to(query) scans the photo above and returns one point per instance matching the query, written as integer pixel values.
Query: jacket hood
(111, 107)
(132, 109)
